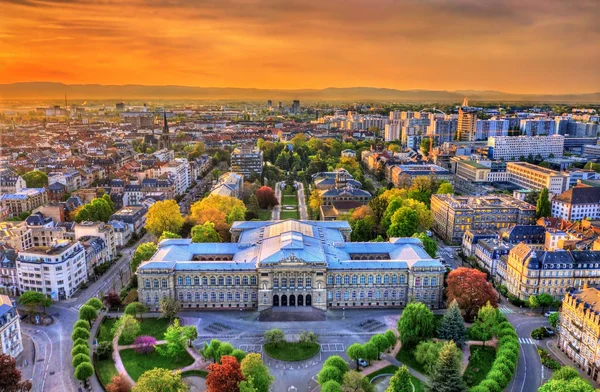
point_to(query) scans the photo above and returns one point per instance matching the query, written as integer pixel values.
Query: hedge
(491, 385)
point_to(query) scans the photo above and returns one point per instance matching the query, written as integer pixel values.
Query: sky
(518, 46)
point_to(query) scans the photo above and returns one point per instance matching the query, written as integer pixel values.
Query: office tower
(467, 122)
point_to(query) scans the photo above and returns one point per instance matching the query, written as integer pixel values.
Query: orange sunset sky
(525, 46)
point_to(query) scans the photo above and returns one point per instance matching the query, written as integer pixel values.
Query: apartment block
(247, 161)
(27, 199)
(453, 215)
(529, 176)
(511, 148)
(11, 340)
(101, 230)
(580, 202)
(538, 126)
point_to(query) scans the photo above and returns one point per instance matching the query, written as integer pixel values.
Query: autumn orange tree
(471, 291)
(164, 216)
(266, 197)
(224, 377)
(220, 210)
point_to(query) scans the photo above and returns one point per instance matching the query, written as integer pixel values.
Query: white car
(547, 314)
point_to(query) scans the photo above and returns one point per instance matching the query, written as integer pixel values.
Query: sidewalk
(551, 346)
(95, 381)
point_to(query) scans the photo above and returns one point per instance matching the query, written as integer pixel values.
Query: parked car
(548, 313)
(549, 331)
(362, 362)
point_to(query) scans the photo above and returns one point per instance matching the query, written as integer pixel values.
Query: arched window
(236, 280)
(237, 296)
(213, 297)
(354, 295)
(188, 281)
(147, 283)
(346, 295)
(402, 279)
(196, 280)
(155, 283)
(213, 280)
(386, 279)
(362, 279)
(245, 296)
(204, 281)
(189, 297)
(228, 281)
(229, 296)
(164, 284)
(180, 295)
(253, 296)
(221, 297)
(197, 297)
(329, 295)
(156, 299)
(394, 279)
(148, 298)
(385, 294)
(377, 294)
(354, 279)
(221, 281)
(179, 281)
(329, 279)
(338, 279)
(205, 297)
(425, 281)
(370, 279)
(378, 279)
(253, 280)
(362, 295)
(338, 296)
(370, 294)
(417, 281)
(245, 281)
(434, 281)
(346, 279)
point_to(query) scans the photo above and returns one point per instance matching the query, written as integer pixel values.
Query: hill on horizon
(56, 90)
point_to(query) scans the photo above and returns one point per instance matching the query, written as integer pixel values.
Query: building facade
(289, 264)
(511, 148)
(580, 202)
(26, 200)
(247, 161)
(11, 340)
(530, 176)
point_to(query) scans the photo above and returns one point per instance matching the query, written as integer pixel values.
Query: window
(370, 295)
(354, 279)
(179, 281)
(237, 296)
(346, 295)
(164, 283)
(221, 281)
(156, 300)
(394, 279)
(221, 297)
(308, 283)
(253, 280)
(189, 297)
(245, 281)
(378, 279)
(434, 281)
(377, 294)
(146, 283)
(229, 296)
(385, 294)
(362, 279)
(330, 279)
(245, 296)
(213, 297)
(204, 281)
(180, 297)
(213, 280)
(338, 279)
(284, 283)
(402, 279)
(188, 281)
(205, 297)
(292, 283)
(196, 280)
(236, 280)
(346, 279)
(300, 283)
(329, 295)
(253, 296)
(275, 282)
(338, 296)
(370, 279)
(228, 281)
(386, 279)
(155, 283)
(197, 297)
(417, 281)
(425, 281)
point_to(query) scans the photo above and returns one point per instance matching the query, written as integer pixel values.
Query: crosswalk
(526, 341)
(505, 310)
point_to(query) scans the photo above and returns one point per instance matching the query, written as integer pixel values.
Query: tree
(404, 223)
(425, 145)
(35, 179)
(254, 369)
(80, 333)
(391, 337)
(445, 188)
(84, 371)
(331, 386)
(205, 233)
(78, 359)
(338, 362)
(446, 376)
(238, 354)
(470, 290)
(225, 348)
(453, 325)
(566, 379)
(168, 307)
(415, 324)
(160, 380)
(532, 301)
(135, 308)
(330, 373)
(164, 216)
(143, 253)
(144, 344)
(87, 312)
(429, 245)
(553, 319)
(354, 381)
(104, 349)
(80, 350)
(224, 377)
(97, 210)
(266, 197)
(427, 354)
(118, 383)
(128, 327)
(94, 303)
(112, 299)
(274, 336)
(355, 352)
(542, 207)
(315, 201)
(81, 324)
(370, 351)
(545, 300)
(486, 323)
(168, 235)
(10, 376)
(175, 341)
(381, 342)
(246, 386)
(400, 381)
(107, 199)
(32, 299)
(190, 333)
(211, 350)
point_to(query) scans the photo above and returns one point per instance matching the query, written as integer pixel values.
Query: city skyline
(541, 48)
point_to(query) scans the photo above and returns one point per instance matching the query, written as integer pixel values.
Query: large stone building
(530, 176)
(453, 215)
(11, 341)
(26, 200)
(291, 263)
(579, 332)
(580, 202)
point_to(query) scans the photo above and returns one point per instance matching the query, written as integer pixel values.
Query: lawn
(154, 327)
(136, 364)
(265, 215)
(195, 373)
(105, 331)
(292, 351)
(407, 357)
(290, 200)
(480, 363)
(391, 369)
(106, 370)
(289, 214)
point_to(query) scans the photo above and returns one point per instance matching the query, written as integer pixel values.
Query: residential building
(511, 148)
(95, 254)
(134, 216)
(26, 200)
(579, 329)
(11, 340)
(26, 234)
(538, 126)
(454, 215)
(472, 171)
(530, 176)
(230, 184)
(179, 170)
(486, 128)
(101, 230)
(71, 179)
(247, 161)
(11, 182)
(488, 255)
(9, 284)
(472, 237)
(467, 124)
(348, 154)
(580, 202)
(123, 232)
(531, 271)
(291, 263)
(56, 270)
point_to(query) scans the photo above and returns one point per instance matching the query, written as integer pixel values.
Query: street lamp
(343, 313)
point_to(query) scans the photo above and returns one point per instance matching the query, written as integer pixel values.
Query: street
(301, 201)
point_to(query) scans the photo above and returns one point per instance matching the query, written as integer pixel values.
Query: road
(277, 208)
(301, 201)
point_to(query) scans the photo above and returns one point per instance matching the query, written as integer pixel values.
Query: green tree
(453, 325)
(35, 179)
(246, 386)
(175, 341)
(135, 308)
(354, 381)
(445, 188)
(331, 386)
(486, 323)
(370, 351)
(545, 300)
(274, 337)
(400, 381)
(427, 354)
(211, 350)
(415, 324)
(164, 216)
(81, 324)
(84, 371)
(168, 235)
(160, 380)
(446, 376)
(128, 328)
(86, 312)
(542, 208)
(254, 369)
(381, 342)
(143, 253)
(330, 373)
(391, 337)
(32, 299)
(429, 245)
(355, 352)
(94, 303)
(168, 307)
(190, 333)
(205, 233)
(225, 348)
(553, 319)
(80, 350)
(404, 223)
(337, 362)
(79, 359)
(238, 354)
(97, 210)
(108, 200)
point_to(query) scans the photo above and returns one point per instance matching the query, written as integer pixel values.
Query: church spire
(165, 123)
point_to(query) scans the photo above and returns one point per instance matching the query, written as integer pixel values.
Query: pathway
(301, 201)
(277, 208)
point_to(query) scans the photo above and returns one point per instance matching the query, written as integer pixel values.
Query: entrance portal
(284, 300)
(275, 300)
(300, 300)
(292, 300)
(308, 300)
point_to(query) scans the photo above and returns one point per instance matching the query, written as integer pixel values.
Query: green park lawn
(106, 370)
(136, 364)
(480, 363)
(105, 333)
(292, 351)
(391, 369)
(155, 327)
(407, 357)
(293, 214)
(290, 200)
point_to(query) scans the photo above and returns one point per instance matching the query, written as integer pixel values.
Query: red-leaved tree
(266, 197)
(144, 344)
(471, 291)
(119, 383)
(10, 376)
(224, 377)
(112, 299)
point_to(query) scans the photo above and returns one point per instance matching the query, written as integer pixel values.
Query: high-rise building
(514, 147)
(467, 124)
(296, 106)
(247, 161)
(269, 104)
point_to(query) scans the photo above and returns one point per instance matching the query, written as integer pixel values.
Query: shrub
(80, 350)
(491, 385)
(507, 339)
(510, 364)
(478, 388)
(512, 346)
(547, 360)
(80, 333)
(79, 358)
(497, 376)
(329, 373)
(80, 342)
(81, 324)
(104, 350)
(502, 368)
(511, 355)
(144, 344)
